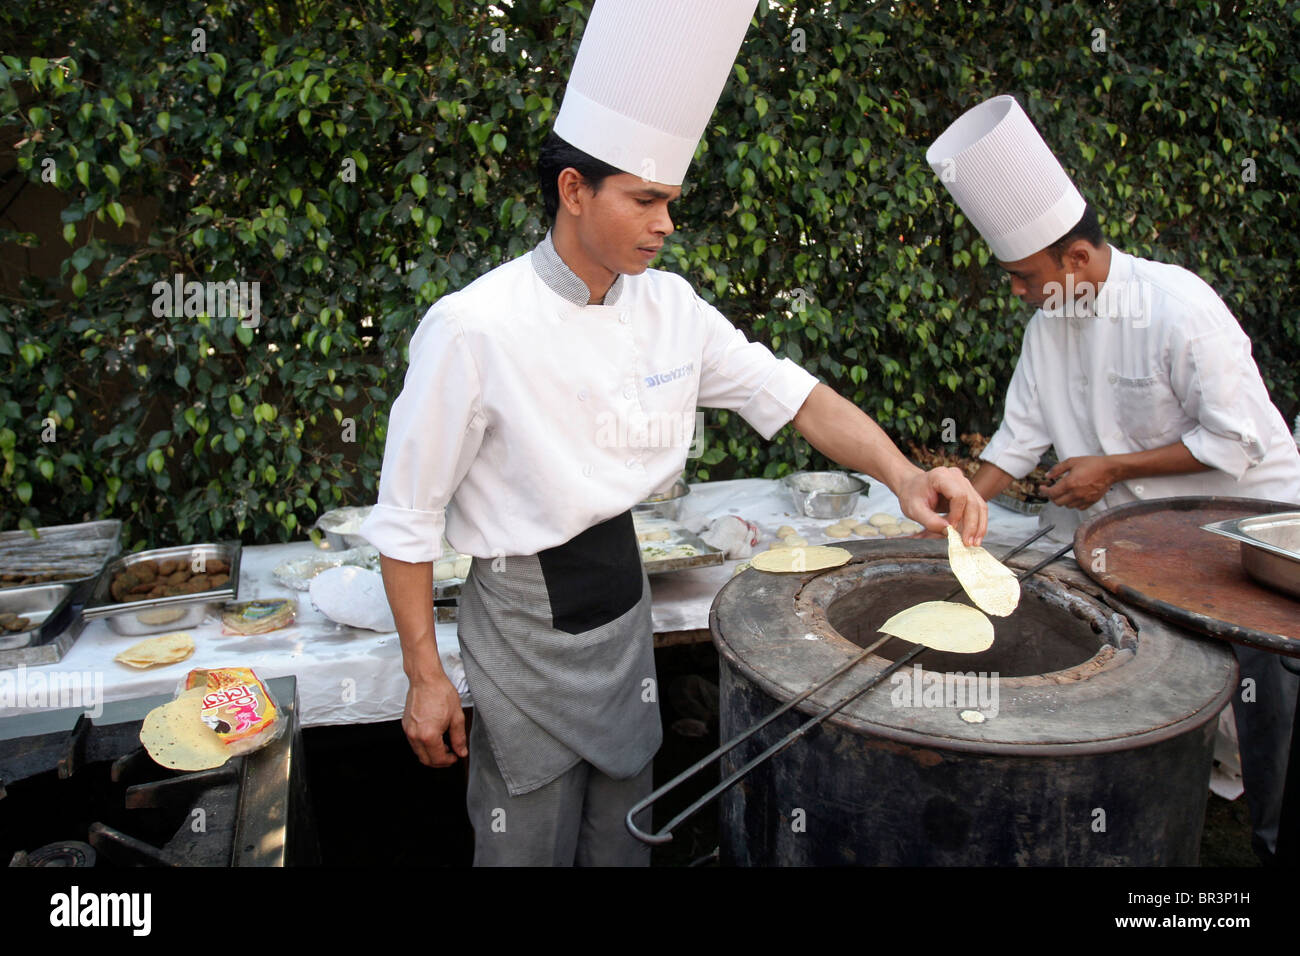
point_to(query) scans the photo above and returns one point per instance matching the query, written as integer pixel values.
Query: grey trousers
(575, 820)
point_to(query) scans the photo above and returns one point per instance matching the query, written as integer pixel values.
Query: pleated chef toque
(1005, 179)
(646, 80)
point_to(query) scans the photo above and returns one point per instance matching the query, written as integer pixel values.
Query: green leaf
(182, 376)
(164, 121)
(79, 285)
(419, 186)
(24, 491)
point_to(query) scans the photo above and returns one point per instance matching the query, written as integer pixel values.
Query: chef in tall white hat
(1134, 371)
(546, 399)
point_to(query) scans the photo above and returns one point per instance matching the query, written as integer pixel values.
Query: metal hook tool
(665, 835)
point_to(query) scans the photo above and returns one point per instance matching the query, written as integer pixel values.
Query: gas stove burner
(64, 853)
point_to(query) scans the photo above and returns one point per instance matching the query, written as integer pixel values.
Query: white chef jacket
(1159, 359)
(528, 416)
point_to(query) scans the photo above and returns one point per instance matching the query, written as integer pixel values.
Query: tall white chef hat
(1005, 179)
(646, 80)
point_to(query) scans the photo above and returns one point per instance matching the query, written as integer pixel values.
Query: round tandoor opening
(1043, 635)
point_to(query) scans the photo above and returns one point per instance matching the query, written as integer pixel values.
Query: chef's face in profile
(1036, 278)
(623, 224)
(1032, 278)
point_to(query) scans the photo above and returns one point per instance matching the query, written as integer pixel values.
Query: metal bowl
(825, 494)
(667, 504)
(340, 525)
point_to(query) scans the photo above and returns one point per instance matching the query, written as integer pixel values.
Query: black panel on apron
(594, 578)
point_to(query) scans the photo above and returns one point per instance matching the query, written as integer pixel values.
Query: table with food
(316, 608)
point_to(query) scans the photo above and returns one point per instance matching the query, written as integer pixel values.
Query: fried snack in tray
(167, 577)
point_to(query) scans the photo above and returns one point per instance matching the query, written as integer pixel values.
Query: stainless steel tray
(57, 553)
(1016, 504)
(1270, 547)
(151, 615)
(46, 606)
(706, 555)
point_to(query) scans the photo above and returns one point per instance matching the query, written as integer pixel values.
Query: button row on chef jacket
(624, 318)
(582, 394)
(629, 390)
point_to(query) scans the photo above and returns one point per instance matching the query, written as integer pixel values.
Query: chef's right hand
(433, 709)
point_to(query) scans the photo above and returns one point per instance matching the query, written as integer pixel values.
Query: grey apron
(559, 656)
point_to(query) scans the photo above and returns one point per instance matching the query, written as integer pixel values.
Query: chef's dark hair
(1086, 228)
(554, 158)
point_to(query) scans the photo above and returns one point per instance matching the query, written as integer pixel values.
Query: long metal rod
(665, 834)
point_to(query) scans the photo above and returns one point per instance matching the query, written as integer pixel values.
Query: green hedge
(811, 218)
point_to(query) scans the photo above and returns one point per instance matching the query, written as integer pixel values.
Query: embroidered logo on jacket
(663, 378)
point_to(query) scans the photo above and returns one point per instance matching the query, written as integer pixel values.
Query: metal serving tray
(151, 615)
(58, 553)
(1270, 547)
(47, 606)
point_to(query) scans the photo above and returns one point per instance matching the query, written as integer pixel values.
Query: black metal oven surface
(81, 792)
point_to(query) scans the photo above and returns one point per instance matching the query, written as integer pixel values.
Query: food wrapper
(258, 617)
(237, 706)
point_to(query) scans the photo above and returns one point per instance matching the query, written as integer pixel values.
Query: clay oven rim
(1172, 683)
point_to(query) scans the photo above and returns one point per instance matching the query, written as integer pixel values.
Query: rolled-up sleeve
(747, 378)
(1021, 439)
(435, 430)
(1219, 387)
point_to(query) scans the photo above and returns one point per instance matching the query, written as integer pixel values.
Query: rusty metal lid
(1155, 555)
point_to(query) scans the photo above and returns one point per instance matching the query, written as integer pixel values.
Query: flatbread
(985, 579)
(167, 649)
(176, 736)
(800, 560)
(944, 626)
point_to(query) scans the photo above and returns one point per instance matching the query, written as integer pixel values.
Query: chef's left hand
(1080, 481)
(921, 495)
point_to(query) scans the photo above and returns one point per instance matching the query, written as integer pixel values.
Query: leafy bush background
(811, 190)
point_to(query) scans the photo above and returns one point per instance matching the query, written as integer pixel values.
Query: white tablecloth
(349, 676)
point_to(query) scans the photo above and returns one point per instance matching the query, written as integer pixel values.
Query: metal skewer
(665, 834)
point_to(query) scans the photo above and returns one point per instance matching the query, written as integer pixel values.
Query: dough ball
(444, 570)
(892, 531)
(795, 541)
(462, 566)
(881, 520)
(866, 530)
(785, 530)
(911, 527)
(838, 531)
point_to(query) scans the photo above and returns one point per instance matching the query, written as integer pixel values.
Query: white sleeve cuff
(1231, 455)
(405, 534)
(779, 398)
(1004, 452)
